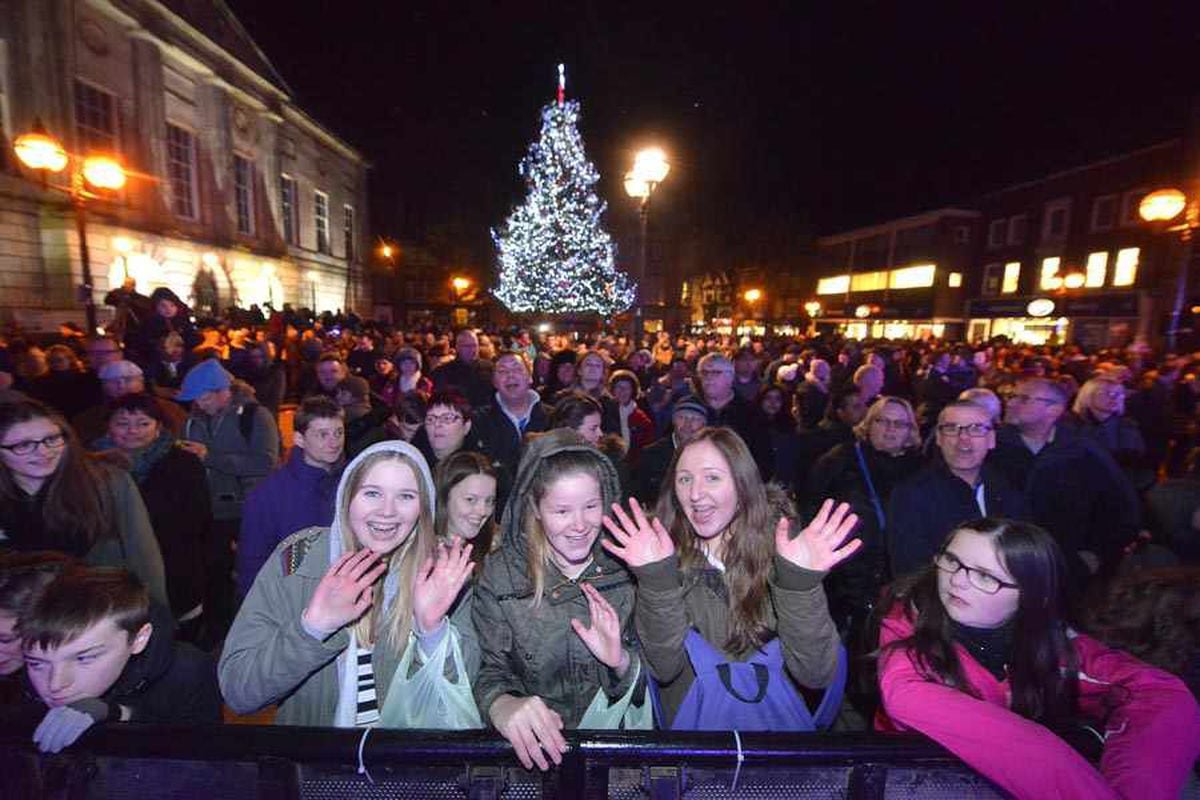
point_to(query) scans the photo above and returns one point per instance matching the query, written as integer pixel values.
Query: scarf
(991, 647)
(144, 460)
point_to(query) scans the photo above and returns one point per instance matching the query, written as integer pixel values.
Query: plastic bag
(604, 716)
(426, 699)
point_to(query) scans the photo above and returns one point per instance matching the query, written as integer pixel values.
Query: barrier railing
(280, 763)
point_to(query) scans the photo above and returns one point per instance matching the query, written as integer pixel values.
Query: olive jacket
(671, 601)
(530, 648)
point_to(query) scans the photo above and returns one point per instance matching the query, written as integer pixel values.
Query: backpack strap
(761, 676)
(831, 702)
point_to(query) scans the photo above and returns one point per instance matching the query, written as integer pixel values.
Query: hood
(394, 445)
(152, 663)
(560, 440)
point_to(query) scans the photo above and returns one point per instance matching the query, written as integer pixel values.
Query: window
(837, 284)
(954, 280)
(1050, 280)
(913, 277)
(1012, 277)
(1125, 270)
(321, 218)
(181, 170)
(348, 231)
(95, 119)
(1056, 220)
(996, 230)
(287, 207)
(869, 281)
(991, 278)
(1097, 269)
(1104, 212)
(1129, 207)
(243, 194)
(1016, 229)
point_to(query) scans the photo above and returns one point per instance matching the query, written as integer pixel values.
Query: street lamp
(460, 284)
(650, 168)
(40, 151)
(1164, 206)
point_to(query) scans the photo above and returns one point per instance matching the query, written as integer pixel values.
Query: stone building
(235, 195)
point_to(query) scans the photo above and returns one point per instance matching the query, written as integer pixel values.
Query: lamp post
(752, 296)
(40, 151)
(650, 168)
(1164, 206)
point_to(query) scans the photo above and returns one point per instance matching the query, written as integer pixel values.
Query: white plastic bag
(427, 699)
(604, 716)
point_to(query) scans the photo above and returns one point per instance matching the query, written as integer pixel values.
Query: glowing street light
(1074, 280)
(1165, 205)
(41, 152)
(1162, 205)
(460, 284)
(650, 168)
(753, 295)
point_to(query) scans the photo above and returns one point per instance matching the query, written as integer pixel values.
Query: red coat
(1152, 735)
(641, 433)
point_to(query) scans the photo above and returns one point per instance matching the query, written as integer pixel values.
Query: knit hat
(120, 369)
(690, 402)
(207, 376)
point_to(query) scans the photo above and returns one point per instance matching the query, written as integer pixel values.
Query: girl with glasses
(54, 496)
(975, 652)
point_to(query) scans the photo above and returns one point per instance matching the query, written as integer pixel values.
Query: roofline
(1084, 167)
(902, 222)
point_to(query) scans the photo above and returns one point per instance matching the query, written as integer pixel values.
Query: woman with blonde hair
(721, 559)
(553, 611)
(334, 610)
(1098, 413)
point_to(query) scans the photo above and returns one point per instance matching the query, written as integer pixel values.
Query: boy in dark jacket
(96, 651)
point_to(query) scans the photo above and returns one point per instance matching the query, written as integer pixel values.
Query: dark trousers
(220, 604)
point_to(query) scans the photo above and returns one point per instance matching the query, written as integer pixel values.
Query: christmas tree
(555, 256)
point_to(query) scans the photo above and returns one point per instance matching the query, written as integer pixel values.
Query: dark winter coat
(532, 649)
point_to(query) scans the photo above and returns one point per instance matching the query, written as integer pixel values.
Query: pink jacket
(1152, 736)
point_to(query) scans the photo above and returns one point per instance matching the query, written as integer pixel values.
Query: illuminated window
(954, 280)
(913, 277)
(1125, 271)
(1097, 269)
(1012, 277)
(1050, 280)
(837, 284)
(869, 281)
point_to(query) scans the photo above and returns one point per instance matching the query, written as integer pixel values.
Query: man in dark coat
(955, 488)
(515, 410)
(466, 374)
(688, 416)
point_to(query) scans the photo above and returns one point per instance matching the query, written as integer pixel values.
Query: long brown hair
(404, 562)
(749, 542)
(1044, 664)
(450, 472)
(549, 469)
(77, 511)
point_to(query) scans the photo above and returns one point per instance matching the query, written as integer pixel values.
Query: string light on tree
(555, 256)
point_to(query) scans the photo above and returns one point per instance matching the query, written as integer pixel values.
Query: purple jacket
(293, 497)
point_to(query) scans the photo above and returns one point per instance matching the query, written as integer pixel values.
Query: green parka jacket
(530, 650)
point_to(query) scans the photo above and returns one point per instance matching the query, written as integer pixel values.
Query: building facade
(902, 279)
(1067, 258)
(235, 195)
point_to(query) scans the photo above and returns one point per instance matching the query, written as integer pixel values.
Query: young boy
(97, 651)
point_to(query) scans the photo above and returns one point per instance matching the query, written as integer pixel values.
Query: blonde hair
(549, 470)
(396, 622)
(1083, 400)
(863, 429)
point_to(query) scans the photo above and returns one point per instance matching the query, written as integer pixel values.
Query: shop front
(1090, 321)
(888, 320)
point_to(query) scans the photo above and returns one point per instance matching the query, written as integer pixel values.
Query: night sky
(782, 121)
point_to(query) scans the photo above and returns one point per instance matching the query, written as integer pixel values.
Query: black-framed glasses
(976, 430)
(985, 582)
(442, 419)
(51, 442)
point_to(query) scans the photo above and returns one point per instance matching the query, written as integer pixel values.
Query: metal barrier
(280, 763)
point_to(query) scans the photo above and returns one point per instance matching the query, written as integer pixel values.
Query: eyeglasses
(442, 419)
(1028, 398)
(893, 424)
(985, 582)
(51, 442)
(976, 430)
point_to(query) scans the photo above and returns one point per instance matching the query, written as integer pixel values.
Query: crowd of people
(352, 524)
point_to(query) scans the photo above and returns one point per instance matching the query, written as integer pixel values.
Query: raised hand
(822, 545)
(439, 580)
(638, 541)
(531, 727)
(603, 638)
(344, 594)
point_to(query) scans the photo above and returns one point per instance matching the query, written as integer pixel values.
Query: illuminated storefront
(1092, 321)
